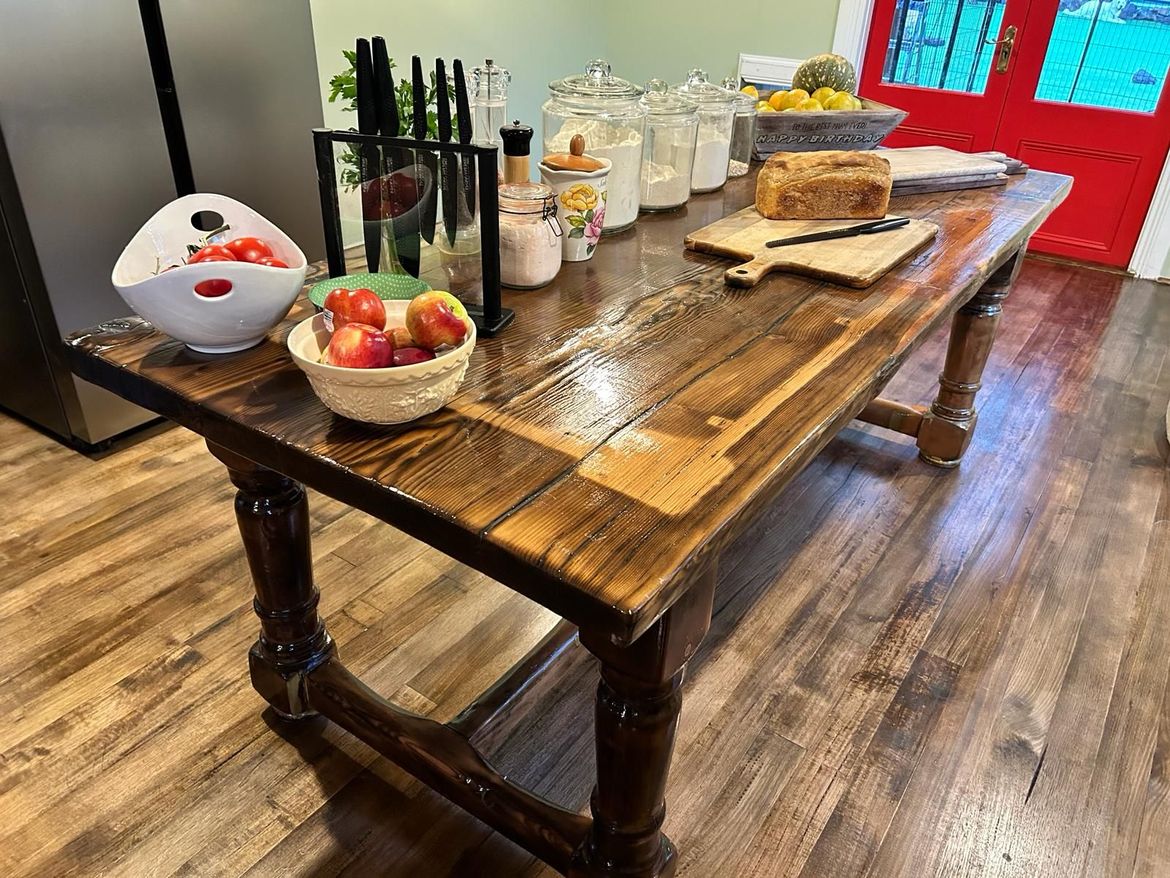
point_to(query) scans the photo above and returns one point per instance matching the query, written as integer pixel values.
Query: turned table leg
(948, 426)
(638, 703)
(273, 516)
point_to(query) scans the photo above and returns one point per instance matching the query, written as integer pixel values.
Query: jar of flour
(605, 110)
(668, 157)
(716, 118)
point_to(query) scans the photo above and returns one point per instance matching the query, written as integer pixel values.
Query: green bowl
(387, 286)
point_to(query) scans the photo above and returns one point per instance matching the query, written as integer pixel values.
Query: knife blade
(466, 162)
(882, 225)
(401, 198)
(368, 164)
(448, 162)
(427, 166)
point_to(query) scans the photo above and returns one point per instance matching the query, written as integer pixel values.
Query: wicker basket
(833, 129)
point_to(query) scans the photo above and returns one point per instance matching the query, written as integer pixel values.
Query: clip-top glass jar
(530, 237)
(743, 130)
(604, 109)
(716, 116)
(672, 125)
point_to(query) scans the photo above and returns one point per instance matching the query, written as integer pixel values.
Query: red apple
(344, 306)
(436, 318)
(410, 356)
(401, 337)
(360, 346)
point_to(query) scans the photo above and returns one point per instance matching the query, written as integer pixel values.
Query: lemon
(823, 94)
(750, 90)
(809, 105)
(792, 98)
(841, 100)
(776, 99)
(765, 107)
(857, 104)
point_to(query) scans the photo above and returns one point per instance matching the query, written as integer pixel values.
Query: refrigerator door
(85, 141)
(247, 86)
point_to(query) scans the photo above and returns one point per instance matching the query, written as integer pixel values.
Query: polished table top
(626, 427)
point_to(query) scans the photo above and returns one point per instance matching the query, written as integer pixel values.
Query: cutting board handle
(750, 273)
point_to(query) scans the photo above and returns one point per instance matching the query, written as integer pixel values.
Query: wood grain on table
(604, 448)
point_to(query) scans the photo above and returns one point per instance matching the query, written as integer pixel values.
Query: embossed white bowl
(393, 395)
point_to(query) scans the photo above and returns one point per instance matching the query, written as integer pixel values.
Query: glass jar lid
(596, 82)
(743, 101)
(699, 89)
(528, 197)
(490, 82)
(660, 101)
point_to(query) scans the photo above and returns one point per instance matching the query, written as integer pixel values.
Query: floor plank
(910, 671)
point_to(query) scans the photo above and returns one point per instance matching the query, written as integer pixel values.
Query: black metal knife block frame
(491, 317)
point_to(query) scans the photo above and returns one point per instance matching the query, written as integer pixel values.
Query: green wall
(641, 40)
(514, 33)
(665, 40)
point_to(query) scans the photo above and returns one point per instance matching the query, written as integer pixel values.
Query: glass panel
(939, 44)
(1108, 54)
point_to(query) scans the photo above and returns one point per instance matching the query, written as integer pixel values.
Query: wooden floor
(911, 671)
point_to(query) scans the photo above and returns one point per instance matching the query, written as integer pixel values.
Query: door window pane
(940, 43)
(1108, 54)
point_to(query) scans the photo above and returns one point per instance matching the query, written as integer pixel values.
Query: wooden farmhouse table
(603, 450)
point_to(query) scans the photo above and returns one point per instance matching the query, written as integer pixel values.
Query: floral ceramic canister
(580, 199)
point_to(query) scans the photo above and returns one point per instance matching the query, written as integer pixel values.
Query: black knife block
(491, 317)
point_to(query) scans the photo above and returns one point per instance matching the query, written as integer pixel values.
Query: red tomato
(210, 289)
(206, 254)
(272, 262)
(249, 249)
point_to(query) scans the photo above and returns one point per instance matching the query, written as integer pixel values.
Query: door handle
(1004, 54)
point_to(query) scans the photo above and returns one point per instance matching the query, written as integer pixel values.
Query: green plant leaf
(577, 232)
(577, 221)
(589, 215)
(589, 250)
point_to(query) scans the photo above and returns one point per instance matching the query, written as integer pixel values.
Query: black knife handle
(443, 100)
(461, 107)
(419, 98)
(384, 89)
(367, 100)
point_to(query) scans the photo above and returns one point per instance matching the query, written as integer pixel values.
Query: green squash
(829, 70)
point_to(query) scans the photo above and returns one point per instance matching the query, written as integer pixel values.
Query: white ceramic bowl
(393, 395)
(260, 296)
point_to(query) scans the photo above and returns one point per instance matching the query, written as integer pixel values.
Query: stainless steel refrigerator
(108, 110)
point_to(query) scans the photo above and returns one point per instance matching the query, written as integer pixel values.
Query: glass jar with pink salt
(530, 237)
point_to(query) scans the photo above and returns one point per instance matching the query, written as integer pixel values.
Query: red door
(1082, 92)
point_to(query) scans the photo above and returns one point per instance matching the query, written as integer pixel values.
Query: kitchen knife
(466, 162)
(448, 162)
(426, 165)
(882, 225)
(401, 198)
(368, 164)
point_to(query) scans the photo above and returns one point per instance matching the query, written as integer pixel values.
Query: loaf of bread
(831, 184)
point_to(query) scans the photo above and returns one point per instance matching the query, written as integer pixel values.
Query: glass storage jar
(672, 124)
(743, 130)
(605, 110)
(716, 116)
(530, 237)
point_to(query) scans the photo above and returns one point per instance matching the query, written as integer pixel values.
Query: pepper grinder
(517, 139)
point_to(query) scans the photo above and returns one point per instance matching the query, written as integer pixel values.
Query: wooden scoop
(575, 159)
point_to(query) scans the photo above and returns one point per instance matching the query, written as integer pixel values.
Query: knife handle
(419, 98)
(384, 89)
(461, 106)
(367, 101)
(443, 101)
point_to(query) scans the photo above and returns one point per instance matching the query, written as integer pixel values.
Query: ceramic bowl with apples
(384, 361)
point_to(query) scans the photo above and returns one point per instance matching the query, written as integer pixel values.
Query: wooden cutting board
(935, 162)
(855, 262)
